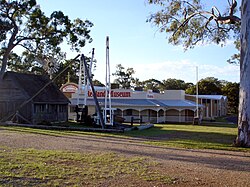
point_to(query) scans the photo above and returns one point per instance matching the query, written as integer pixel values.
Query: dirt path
(189, 167)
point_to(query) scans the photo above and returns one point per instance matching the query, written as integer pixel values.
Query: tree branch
(25, 47)
(28, 38)
(232, 7)
(189, 18)
(231, 19)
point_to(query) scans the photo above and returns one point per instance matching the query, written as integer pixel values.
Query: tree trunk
(4, 63)
(11, 45)
(243, 138)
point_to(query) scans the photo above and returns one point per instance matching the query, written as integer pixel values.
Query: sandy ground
(188, 167)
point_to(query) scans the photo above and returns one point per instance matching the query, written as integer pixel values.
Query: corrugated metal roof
(117, 102)
(179, 103)
(141, 102)
(213, 97)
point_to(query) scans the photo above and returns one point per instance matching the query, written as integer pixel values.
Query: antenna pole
(197, 94)
(108, 88)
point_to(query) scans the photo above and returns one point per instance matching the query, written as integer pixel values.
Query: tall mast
(107, 105)
(80, 80)
(197, 93)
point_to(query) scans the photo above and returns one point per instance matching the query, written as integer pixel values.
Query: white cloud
(228, 72)
(184, 70)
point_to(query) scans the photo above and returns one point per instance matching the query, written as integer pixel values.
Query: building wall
(212, 107)
(47, 113)
(171, 95)
(12, 96)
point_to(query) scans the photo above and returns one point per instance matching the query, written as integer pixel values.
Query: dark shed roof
(31, 84)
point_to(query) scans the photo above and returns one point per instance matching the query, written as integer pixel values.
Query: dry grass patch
(30, 167)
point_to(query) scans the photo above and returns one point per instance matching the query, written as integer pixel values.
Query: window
(72, 108)
(40, 108)
(62, 108)
(52, 109)
(129, 112)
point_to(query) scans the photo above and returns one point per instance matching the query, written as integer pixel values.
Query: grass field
(206, 136)
(30, 167)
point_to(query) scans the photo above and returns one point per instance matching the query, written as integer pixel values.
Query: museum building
(169, 106)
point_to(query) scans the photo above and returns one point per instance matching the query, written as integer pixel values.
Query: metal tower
(107, 111)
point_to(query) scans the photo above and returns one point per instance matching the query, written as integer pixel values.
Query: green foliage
(235, 58)
(98, 83)
(169, 84)
(213, 86)
(123, 77)
(126, 80)
(152, 84)
(231, 90)
(24, 24)
(189, 23)
(207, 86)
(175, 84)
(72, 71)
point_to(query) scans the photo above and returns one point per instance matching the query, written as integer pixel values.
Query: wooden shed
(17, 101)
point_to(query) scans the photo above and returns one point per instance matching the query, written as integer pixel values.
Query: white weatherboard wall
(171, 95)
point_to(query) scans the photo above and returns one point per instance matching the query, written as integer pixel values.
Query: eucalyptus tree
(23, 24)
(124, 77)
(231, 90)
(175, 84)
(207, 86)
(137, 84)
(153, 84)
(189, 23)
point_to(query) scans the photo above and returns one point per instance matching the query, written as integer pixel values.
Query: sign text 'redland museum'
(113, 94)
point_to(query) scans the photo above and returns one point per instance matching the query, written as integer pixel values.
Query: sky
(136, 44)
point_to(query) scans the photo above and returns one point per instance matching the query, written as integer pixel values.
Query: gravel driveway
(190, 167)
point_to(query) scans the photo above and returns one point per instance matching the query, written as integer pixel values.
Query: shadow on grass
(227, 163)
(202, 137)
(214, 124)
(187, 137)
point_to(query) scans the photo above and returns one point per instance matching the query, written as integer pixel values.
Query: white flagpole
(106, 84)
(109, 85)
(108, 88)
(197, 93)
